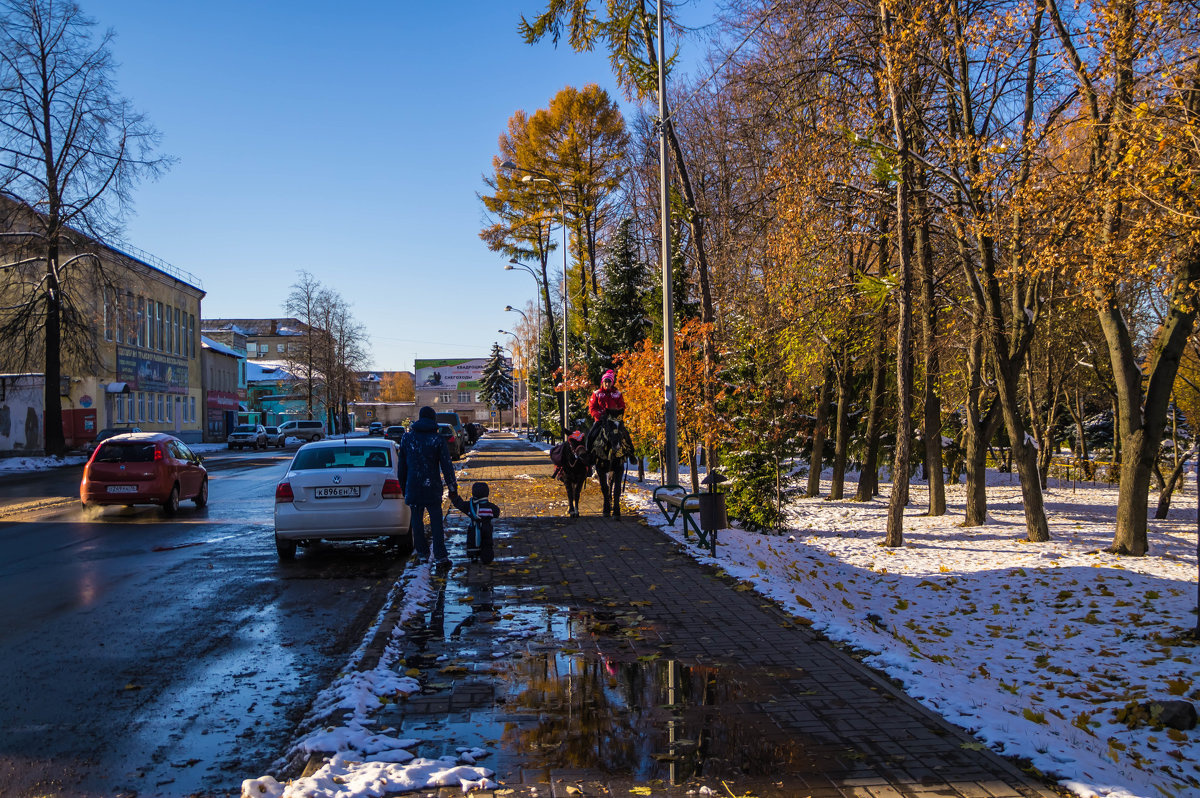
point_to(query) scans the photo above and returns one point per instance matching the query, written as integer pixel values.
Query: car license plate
(122, 488)
(337, 492)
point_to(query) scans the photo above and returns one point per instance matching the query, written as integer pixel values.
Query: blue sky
(346, 139)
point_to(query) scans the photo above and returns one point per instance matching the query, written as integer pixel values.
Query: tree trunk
(931, 427)
(1037, 530)
(868, 476)
(55, 441)
(817, 458)
(976, 465)
(1164, 498)
(1143, 412)
(900, 464)
(837, 486)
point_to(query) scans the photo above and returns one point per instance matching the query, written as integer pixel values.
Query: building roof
(267, 371)
(257, 327)
(216, 346)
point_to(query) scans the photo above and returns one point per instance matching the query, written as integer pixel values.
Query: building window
(279, 348)
(170, 412)
(158, 322)
(192, 411)
(178, 342)
(109, 321)
(141, 414)
(191, 337)
(119, 407)
(445, 398)
(464, 397)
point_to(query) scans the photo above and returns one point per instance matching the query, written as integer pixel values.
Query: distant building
(144, 332)
(266, 339)
(224, 387)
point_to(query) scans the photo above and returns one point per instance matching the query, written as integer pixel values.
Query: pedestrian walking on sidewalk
(424, 460)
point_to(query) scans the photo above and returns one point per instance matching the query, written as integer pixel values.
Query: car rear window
(122, 452)
(245, 428)
(342, 457)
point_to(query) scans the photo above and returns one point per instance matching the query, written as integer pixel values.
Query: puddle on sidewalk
(546, 688)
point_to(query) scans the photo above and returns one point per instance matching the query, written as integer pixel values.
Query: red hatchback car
(144, 468)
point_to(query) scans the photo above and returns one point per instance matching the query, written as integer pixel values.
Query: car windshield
(244, 428)
(272, 430)
(342, 457)
(125, 452)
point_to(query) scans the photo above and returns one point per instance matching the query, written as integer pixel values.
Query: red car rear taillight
(391, 489)
(283, 492)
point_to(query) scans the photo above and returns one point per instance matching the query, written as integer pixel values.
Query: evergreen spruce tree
(621, 322)
(497, 380)
(765, 432)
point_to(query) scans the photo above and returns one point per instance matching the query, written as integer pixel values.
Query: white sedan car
(341, 489)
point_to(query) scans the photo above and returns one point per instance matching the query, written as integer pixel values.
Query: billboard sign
(450, 375)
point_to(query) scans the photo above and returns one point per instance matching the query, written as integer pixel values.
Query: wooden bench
(676, 504)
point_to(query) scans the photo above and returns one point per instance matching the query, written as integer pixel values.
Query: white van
(305, 430)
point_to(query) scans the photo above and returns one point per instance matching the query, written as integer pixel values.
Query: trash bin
(712, 511)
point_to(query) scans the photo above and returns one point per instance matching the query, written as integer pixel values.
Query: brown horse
(573, 469)
(609, 447)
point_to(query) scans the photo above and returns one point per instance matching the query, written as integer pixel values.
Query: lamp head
(508, 267)
(508, 165)
(526, 178)
(508, 308)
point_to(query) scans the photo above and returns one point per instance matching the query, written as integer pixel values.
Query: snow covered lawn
(1033, 647)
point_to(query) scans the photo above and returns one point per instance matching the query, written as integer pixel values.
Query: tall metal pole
(562, 204)
(670, 445)
(538, 283)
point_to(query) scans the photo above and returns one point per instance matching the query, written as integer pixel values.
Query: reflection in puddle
(648, 720)
(551, 688)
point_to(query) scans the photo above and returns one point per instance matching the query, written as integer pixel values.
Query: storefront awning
(117, 387)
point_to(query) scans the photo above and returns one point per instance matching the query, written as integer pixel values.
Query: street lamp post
(537, 359)
(513, 354)
(669, 432)
(535, 176)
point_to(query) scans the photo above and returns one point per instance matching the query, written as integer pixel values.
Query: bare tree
(71, 148)
(307, 301)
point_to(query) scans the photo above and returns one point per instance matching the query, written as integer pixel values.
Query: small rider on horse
(604, 399)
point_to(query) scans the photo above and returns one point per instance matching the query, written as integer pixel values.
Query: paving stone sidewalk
(840, 728)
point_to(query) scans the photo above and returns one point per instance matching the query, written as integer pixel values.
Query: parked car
(453, 442)
(394, 433)
(375, 428)
(144, 468)
(341, 490)
(307, 429)
(252, 435)
(460, 431)
(104, 435)
(276, 437)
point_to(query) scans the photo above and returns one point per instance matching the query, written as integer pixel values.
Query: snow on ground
(1032, 647)
(368, 761)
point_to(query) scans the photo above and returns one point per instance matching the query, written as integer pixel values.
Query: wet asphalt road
(145, 656)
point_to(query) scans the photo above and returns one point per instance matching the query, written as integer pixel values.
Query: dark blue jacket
(422, 454)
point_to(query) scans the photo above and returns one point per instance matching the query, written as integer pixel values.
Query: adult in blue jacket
(424, 459)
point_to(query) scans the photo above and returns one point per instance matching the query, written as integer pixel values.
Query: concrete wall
(21, 416)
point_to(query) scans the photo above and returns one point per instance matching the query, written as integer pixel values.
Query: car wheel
(171, 505)
(201, 498)
(285, 548)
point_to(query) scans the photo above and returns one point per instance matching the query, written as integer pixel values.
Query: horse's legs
(602, 475)
(618, 480)
(573, 490)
